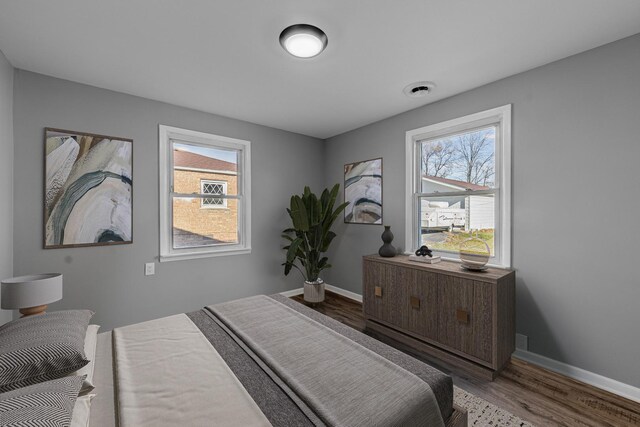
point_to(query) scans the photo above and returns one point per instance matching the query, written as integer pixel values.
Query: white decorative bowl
(474, 254)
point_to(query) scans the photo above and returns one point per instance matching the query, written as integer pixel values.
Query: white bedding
(156, 386)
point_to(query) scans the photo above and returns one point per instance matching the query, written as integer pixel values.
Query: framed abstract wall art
(363, 191)
(88, 189)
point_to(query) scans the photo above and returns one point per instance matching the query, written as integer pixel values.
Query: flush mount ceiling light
(303, 41)
(419, 89)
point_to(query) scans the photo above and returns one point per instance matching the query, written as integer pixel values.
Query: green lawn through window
(453, 239)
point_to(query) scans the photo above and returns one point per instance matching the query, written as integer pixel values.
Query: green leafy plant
(311, 234)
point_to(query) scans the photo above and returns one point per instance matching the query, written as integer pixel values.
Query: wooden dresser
(457, 318)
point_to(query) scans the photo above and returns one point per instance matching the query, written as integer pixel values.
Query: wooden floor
(537, 395)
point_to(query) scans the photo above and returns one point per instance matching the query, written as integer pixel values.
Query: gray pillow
(42, 347)
(46, 404)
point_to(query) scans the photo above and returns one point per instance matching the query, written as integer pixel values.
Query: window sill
(197, 255)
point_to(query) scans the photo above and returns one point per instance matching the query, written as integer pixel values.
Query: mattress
(272, 394)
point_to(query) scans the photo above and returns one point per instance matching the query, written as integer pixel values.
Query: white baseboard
(579, 374)
(334, 289)
(344, 293)
(292, 292)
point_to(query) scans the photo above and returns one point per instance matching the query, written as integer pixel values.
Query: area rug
(482, 413)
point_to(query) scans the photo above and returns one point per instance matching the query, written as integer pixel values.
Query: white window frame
(167, 134)
(501, 118)
(224, 192)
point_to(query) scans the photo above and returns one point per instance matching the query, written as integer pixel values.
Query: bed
(264, 360)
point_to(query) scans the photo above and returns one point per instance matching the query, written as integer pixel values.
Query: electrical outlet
(522, 342)
(150, 269)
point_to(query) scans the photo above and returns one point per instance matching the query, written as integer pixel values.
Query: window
(216, 188)
(195, 166)
(459, 185)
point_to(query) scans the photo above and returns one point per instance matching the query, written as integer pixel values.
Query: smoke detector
(419, 89)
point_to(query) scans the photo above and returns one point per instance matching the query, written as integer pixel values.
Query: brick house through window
(200, 221)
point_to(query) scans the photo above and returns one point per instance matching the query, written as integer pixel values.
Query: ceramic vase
(387, 250)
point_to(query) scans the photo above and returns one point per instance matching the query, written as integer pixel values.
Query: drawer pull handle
(378, 291)
(415, 302)
(462, 316)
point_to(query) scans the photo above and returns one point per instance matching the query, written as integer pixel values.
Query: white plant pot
(314, 291)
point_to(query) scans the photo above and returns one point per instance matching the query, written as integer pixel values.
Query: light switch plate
(150, 269)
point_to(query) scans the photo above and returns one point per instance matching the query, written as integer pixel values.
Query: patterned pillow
(47, 404)
(42, 347)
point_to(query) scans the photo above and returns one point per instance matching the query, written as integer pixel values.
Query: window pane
(459, 162)
(193, 165)
(445, 222)
(195, 226)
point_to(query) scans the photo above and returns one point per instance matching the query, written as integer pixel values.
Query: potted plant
(310, 236)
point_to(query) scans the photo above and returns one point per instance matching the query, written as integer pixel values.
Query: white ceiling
(224, 57)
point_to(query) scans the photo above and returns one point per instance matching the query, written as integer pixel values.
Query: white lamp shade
(31, 291)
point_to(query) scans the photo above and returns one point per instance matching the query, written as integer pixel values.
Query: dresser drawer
(381, 293)
(465, 316)
(376, 285)
(420, 304)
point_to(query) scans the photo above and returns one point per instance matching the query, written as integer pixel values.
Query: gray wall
(6, 174)
(575, 152)
(110, 280)
(576, 148)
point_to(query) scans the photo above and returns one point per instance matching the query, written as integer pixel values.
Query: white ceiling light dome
(303, 40)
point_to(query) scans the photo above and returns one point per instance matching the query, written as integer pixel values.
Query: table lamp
(31, 294)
